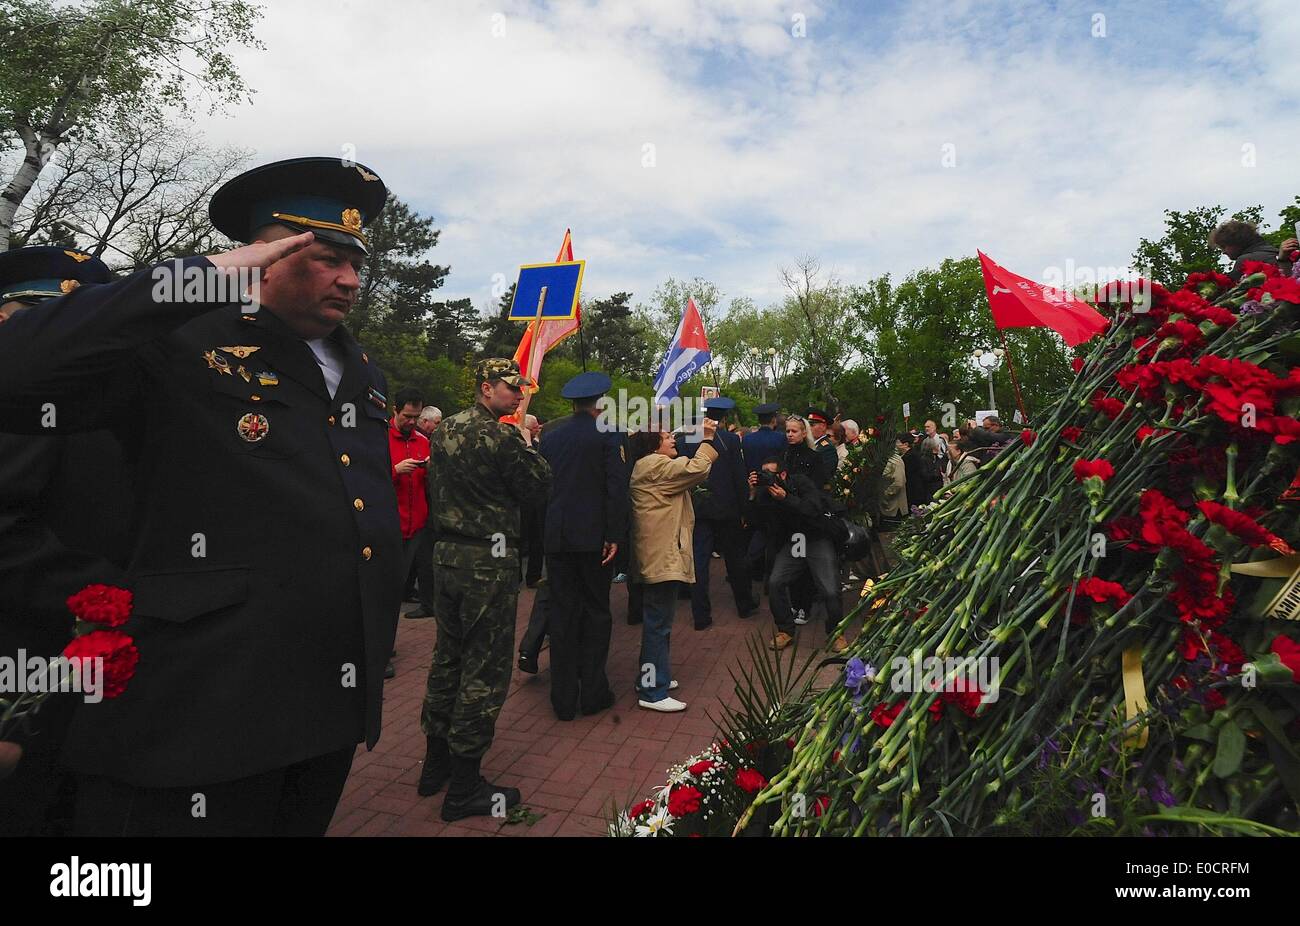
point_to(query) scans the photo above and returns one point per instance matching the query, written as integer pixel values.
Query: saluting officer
(60, 528)
(481, 471)
(265, 554)
(718, 512)
(586, 521)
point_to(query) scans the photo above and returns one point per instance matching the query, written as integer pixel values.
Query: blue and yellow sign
(555, 287)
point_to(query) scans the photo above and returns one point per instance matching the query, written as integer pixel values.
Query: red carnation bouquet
(99, 655)
(703, 797)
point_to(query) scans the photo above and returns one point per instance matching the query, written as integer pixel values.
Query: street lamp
(988, 361)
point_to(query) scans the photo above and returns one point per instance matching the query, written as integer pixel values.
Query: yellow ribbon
(1285, 605)
(1135, 696)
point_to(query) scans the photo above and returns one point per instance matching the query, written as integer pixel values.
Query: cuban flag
(687, 354)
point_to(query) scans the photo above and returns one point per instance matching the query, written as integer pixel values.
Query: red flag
(553, 331)
(1017, 302)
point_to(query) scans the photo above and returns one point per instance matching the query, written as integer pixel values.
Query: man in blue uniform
(758, 446)
(718, 508)
(586, 522)
(64, 511)
(265, 553)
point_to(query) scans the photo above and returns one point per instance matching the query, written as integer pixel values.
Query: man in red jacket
(408, 449)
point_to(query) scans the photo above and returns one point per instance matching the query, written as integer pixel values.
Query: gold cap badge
(77, 256)
(352, 219)
(68, 286)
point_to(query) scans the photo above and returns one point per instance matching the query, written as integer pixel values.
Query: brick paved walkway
(570, 772)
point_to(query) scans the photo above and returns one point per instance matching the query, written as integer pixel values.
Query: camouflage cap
(500, 368)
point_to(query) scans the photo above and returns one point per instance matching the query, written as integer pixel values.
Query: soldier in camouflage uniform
(480, 472)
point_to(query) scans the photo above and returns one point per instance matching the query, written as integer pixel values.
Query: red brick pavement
(571, 772)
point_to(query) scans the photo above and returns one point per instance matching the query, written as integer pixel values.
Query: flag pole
(522, 412)
(1020, 402)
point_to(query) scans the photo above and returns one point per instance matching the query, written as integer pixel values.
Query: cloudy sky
(724, 139)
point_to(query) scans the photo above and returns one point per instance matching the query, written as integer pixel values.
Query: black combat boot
(437, 767)
(472, 795)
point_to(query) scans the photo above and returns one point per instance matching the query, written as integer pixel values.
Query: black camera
(769, 479)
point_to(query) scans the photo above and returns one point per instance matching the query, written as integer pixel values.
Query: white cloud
(768, 146)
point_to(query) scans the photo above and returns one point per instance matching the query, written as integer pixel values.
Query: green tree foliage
(453, 328)
(73, 68)
(616, 339)
(498, 335)
(1185, 246)
(398, 282)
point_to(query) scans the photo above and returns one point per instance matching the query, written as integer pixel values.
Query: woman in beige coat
(663, 525)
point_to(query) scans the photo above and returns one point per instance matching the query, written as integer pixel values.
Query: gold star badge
(240, 351)
(217, 362)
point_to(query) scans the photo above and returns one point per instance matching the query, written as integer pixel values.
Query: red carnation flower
(639, 809)
(118, 652)
(884, 715)
(1071, 433)
(1251, 267)
(101, 604)
(683, 800)
(1243, 527)
(699, 768)
(1283, 428)
(1077, 364)
(1214, 699)
(1288, 651)
(1102, 591)
(1111, 408)
(1199, 281)
(1028, 437)
(750, 780)
(1086, 469)
(821, 805)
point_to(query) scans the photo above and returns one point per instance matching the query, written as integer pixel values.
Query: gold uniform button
(255, 398)
(358, 504)
(345, 460)
(330, 420)
(366, 552)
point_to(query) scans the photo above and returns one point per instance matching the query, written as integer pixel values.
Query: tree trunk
(40, 146)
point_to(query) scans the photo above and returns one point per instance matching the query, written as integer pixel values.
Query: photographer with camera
(791, 511)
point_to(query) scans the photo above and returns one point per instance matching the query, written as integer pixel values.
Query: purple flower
(1161, 794)
(1252, 307)
(856, 673)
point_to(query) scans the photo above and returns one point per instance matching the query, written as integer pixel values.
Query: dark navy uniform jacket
(264, 549)
(761, 444)
(728, 481)
(589, 501)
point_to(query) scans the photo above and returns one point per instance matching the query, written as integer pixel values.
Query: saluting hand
(261, 254)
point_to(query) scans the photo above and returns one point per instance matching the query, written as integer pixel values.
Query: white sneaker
(666, 706)
(620, 578)
(801, 618)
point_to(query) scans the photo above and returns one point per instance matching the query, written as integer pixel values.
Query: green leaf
(1271, 670)
(1280, 750)
(1232, 746)
(1200, 732)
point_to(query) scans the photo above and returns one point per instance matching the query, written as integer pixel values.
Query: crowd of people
(261, 506)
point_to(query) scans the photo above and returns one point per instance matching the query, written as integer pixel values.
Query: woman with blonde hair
(662, 556)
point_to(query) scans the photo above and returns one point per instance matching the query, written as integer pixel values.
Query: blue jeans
(654, 671)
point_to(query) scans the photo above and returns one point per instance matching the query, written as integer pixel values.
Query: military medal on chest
(253, 427)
